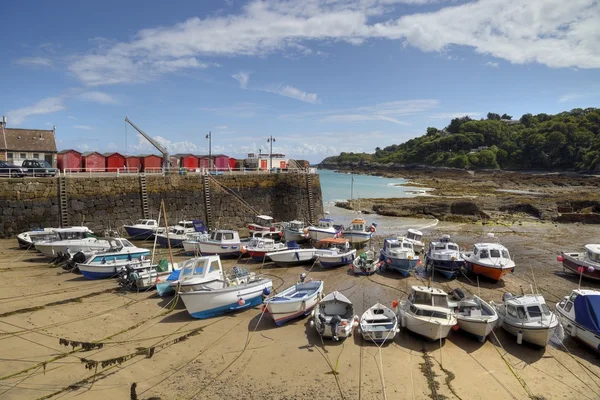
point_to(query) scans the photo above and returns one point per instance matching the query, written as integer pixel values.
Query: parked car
(38, 168)
(10, 170)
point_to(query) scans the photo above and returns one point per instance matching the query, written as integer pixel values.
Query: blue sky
(321, 76)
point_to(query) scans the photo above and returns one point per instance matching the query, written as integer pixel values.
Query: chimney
(3, 121)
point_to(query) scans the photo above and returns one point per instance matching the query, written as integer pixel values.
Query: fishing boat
(366, 263)
(263, 223)
(222, 242)
(335, 252)
(107, 263)
(527, 317)
(295, 232)
(474, 315)
(333, 317)
(199, 272)
(294, 302)
(238, 291)
(489, 259)
(398, 255)
(444, 257)
(179, 233)
(293, 256)
(323, 230)
(358, 231)
(426, 312)
(70, 241)
(28, 239)
(586, 264)
(143, 229)
(378, 324)
(143, 277)
(416, 238)
(258, 248)
(579, 314)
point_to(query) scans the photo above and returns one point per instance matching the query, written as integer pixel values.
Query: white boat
(221, 242)
(579, 314)
(323, 230)
(199, 272)
(427, 313)
(474, 315)
(28, 239)
(109, 262)
(295, 301)
(235, 292)
(179, 233)
(144, 275)
(143, 229)
(263, 223)
(398, 255)
(291, 257)
(257, 248)
(586, 264)
(337, 253)
(333, 317)
(379, 324)
(296, 232)
(358, 231)
(71, 241)
(444, 257)
(527, 317)
(489, 259)
(366, 263)
(416, 238)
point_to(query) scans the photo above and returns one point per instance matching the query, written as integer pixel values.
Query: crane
(164, 151)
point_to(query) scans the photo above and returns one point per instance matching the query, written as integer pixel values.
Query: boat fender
(520, 337)
(561, 331)
(458, 294)
(303, 305)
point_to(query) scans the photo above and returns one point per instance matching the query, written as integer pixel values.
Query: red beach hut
(133, 163)
(114, 162)
(69, 159)
(188, 161)
(150, 162)
(93, 161)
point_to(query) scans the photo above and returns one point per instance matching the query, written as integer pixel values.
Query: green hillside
(566, 141)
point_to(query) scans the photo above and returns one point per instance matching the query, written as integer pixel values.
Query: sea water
(337, 187)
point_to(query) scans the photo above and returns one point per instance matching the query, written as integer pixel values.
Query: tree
(506, 116)
(456, 123)
(432, 131)
(493, 116)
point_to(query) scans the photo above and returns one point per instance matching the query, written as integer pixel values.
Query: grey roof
(28, 140)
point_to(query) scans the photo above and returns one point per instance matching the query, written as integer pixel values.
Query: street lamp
(209, 137)
(270, 140)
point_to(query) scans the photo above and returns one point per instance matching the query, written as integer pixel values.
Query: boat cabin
(116, 244)
(186, 224)
(333, 243)
(428, 302)
(261, 243)
(262, 222)
(358, 224)
(225, 236)
(397, 245)
(442, 246)
(275, 235)
(204, 267)
(529, 308)
(296, 225)
(325, 223)
(146, 222)
(592, 253)
(76, 232)
(482, 251)
(415, 235)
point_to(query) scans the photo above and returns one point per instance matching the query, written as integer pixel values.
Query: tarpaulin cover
(587, 311)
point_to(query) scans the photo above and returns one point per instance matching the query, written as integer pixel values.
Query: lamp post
(270, 140)
(209, 137)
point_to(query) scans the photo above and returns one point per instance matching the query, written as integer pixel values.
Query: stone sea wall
(110, 202)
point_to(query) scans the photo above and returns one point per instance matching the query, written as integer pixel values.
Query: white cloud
(99, 97)
(491, 64)
(242, 78)
(84, 127)
(47, 105)
(293, 93)
(555, 33)
(143, 146)
(573, 96)
(451, 115)
(34, 61)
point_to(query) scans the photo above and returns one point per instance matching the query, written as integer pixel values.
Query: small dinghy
(293, 256)
(334, 316)
(295, 301)
(426, 312)
(579, 314)
(528, 318)
(366, 264)
(378, 324)
(474, 315)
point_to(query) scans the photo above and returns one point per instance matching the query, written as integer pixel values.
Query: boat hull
(284, 310)
(318, 234)
(357, 237)
(51, 250)
(295, 236)
(578, 331)
(494, 273)
(476, 327)
(448, 268)
(368, 269)
(100, 271)
(337, 260)
(210, 303)
(223, 250)
(164, 289)
(425, 326)
(139, 233)
(296, 257)
(573, 264)
(537, 336)
(162, 241)
(402, 265)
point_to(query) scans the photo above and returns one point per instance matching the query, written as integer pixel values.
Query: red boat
(586, 264)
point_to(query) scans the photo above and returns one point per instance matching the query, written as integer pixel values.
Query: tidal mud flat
(488, 196)
(155, 344)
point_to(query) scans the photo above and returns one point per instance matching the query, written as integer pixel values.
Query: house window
(9, 156)
(23, 156)
(48, 158)
(36, 156)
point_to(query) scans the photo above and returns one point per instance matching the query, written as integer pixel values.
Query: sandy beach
(245, 356)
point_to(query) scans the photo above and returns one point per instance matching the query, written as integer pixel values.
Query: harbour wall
(103, 203)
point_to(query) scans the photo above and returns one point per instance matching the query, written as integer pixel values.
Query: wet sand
(245, 356)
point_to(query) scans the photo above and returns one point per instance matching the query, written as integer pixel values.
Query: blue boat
(164, 288)
(398, 255)
(179, 233)
(444, 257)
(143, 229)
(108, 263)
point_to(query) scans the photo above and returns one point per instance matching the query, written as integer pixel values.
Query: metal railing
(21, 172)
